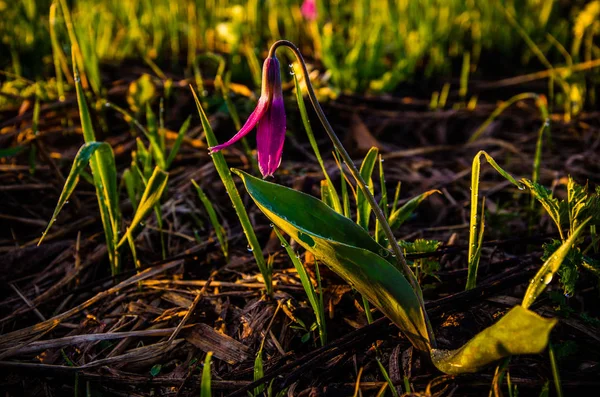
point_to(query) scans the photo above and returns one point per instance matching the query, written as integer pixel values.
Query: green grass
(390, 41)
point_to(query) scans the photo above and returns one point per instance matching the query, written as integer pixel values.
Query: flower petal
(253, 119)
(270, 137)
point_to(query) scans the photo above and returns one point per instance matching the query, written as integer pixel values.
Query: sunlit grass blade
(363, 208)
(205, 385)
(540, 101)
(104, 172)
(475, 224)
(333, 195)
(154, 190)
(555, 373)
(158, 150)
(546, 273)
(178, 141)
(259, 372)
(214, 220)
(315, 302)
(400, 215)
(225, 175)
(550, 203)
(386, 376)
(82, 159)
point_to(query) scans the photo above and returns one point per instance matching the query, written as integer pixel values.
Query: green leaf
(550, 203)
(205, 386)
(476, 225)
(82, 159)
(104, 173)
(520, 331)
(400, 215)
(363, 208)
(549, 268)
(154, 190)
(346, 248)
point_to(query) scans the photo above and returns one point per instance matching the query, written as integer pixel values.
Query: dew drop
(271, 225)
(568, 295)
(142, 224)
(283, 245)
(384, 252)
(67, 202)
(107, 104)
(250, 249)
(521, 187)
(547, 278)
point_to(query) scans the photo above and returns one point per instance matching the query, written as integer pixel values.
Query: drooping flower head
(269, 117)
(309, 9)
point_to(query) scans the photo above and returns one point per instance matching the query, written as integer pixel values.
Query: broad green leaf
(363, 208)
(520, 331)
(82, 159)
(346, 248)
(225, 175)
(549, 268)
(205, 386)
(154, 190)
(214, 220)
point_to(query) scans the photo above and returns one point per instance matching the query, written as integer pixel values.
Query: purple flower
(269, 116)
(309, 9)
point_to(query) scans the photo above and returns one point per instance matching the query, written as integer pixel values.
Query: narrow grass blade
(82, 159)
(475, 225)
(363, 208)
(550, 267)
(314, 301)
(154, 138)
(178, 141)
(539, 101)
(154, 190)
(104, 173)
(333, 195)
(205, 386)
(555, 373)
(238, 205)
(214, 220)
(400, 215)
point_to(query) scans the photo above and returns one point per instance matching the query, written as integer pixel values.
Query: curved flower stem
(397, 252)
